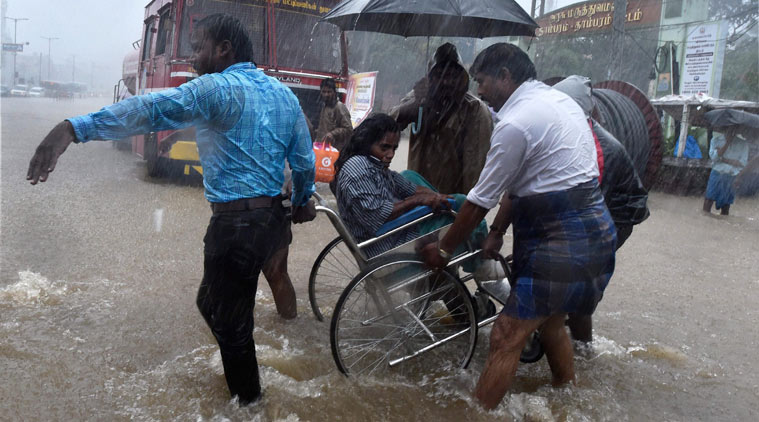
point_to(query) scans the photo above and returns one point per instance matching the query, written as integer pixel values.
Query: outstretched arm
(175, 108)
(47, 153)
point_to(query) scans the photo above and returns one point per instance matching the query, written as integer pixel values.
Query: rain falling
(111, 259)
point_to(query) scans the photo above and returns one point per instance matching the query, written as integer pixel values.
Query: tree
(739, 14)
(740, 72)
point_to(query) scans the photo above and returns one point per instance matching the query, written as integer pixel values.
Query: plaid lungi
(563, 251)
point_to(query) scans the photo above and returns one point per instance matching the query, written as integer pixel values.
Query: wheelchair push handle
(319, 199)
(504, 261)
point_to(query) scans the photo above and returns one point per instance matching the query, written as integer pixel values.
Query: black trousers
(236, 246)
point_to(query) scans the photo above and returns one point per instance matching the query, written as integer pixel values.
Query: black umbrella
(745, 123)
(446, 18)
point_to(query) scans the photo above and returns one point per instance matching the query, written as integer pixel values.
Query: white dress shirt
(541, 143)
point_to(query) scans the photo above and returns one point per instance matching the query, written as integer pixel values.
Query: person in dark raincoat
(623, 191)
(450, 147)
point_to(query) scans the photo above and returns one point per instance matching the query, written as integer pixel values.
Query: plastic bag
(326, 155)
(692, 150)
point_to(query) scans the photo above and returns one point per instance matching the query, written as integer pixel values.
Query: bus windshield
(300, 42)
(251, 13)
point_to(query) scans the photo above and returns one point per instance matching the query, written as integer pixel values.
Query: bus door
(161, 57)
(146, 59)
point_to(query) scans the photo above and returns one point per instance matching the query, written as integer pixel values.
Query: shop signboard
(596, 16)
(702, 63)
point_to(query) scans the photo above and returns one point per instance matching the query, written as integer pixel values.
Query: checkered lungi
(564, 246)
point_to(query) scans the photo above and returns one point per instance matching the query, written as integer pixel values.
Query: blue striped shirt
(366, 194)
(247, 124)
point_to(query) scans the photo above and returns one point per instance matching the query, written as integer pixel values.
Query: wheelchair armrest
(409, 216)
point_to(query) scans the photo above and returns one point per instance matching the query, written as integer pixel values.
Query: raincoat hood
(579, 89)
(446, 54)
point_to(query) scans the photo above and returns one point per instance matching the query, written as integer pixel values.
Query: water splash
(32, 289)
(529, 407)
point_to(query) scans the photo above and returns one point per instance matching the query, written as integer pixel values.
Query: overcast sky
(95, 31)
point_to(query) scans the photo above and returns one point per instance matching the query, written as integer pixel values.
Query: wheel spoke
(389, 314)
(332, 271)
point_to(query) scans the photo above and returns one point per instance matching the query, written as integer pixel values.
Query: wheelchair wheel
(533, 350)
(333, 269)
(398, 317)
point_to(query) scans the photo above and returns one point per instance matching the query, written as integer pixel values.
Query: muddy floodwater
(100, 267)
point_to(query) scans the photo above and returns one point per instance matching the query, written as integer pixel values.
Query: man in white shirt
(543, 155)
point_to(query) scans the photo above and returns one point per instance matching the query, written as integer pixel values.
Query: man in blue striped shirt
(247, 124)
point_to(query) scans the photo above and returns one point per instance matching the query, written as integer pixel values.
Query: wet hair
(222, 27)
(368, 133)
(329, 83)
(491, 60)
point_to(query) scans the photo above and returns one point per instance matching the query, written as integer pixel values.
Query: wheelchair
(391, 314)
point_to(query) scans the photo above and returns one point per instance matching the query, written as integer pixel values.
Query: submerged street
(99, 268)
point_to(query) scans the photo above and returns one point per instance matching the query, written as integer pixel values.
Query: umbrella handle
(417, 126)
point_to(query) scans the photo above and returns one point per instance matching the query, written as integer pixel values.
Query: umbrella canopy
(725, 117)
(745, 123)
(446, 18)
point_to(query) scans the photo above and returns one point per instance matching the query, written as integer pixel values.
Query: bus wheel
(123, 145)
(156, 164)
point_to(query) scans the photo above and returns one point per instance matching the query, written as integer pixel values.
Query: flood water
(100, 267)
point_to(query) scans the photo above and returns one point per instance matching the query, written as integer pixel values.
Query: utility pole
(618, 39)
(532, 9)
(49, 42)
(73, 67)
(15, 22)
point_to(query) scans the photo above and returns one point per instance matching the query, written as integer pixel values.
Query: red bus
(287, 44)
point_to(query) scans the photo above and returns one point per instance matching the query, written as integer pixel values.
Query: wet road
(98, 320)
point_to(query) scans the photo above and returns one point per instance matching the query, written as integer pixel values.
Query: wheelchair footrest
(497, 289)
